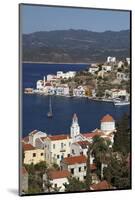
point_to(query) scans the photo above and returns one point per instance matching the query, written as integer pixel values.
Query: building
(122, 76)
(34, 135)
(57, 180)
(107, 68)
(107, 124)
(75, 128)
(81, 148)
(32, 154)
(120, 64)
(24, 180)
(40, 85)
(66, 75)
(62, 90)
(56, 148)
(79, 92)
(93, 69)
(111, 59)
(51, 77)
(116, 93)
(76, 165)
(128, 60)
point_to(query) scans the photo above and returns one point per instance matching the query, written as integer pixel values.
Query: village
(71, 162)
(105, 82)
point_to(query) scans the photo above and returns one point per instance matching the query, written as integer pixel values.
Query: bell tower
(75, 128)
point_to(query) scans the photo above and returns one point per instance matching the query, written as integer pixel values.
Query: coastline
(40, 62)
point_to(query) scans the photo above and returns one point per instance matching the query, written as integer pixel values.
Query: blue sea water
(35, 107)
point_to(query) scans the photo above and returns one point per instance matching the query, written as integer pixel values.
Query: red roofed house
(107, 124)
(57, 179)
(80, 148)
(32, 154)
(56, 148)
(76, 165)
(103, 185)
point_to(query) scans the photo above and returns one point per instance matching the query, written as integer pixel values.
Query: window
(55, 185)
(79, 169)
(62, 145)
(73, 152)
(53, 146)
(68, 155)
(62, 157)
(34, 154)
(72, 170)
(69, 144)
(58, 156)
(84, 167)
(41, 154)
(84, 177)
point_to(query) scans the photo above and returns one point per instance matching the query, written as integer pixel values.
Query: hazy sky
(42, 18)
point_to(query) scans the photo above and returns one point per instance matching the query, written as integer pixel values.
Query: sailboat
(49, 114)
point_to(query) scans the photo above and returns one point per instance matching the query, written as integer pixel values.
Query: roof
(43, 138)
(93, 134)
(48, 84)
(28, 147)
(93, 166)
(33, 132)
(58, 174)
(103, 185)
(83, 144)
(107, 118)
(75, 160)
(58, 137)
(24, 171)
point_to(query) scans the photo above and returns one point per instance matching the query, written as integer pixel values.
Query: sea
(35, 107)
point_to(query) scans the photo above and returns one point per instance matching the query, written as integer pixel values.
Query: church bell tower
(75, 128)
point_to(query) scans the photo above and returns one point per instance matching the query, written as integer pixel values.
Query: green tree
(74, 185)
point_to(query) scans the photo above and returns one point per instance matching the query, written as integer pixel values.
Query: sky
(44, 18)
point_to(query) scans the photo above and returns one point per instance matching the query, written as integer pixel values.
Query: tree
(122, 136)
(118, 173)
(102, 152)
(74, 185)
(88, 171)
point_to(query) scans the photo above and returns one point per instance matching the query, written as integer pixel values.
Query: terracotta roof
(58, 137)
(83, 144)
(107, 118)
(43, 138)
(103, 185)
(92, 134)
(27, 147)
(24, 171)
(75, 160)
(58, 174)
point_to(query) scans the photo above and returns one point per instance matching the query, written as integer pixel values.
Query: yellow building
(32, 154)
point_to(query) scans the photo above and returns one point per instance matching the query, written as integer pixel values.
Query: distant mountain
(75, 45)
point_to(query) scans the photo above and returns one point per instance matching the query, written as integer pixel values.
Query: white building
(76, 165)
(111, 59)
(120, 64)
(40, 85)
(62, 90)
(81, 148)
(34, 135)
(116, 93)
(107, 68)
(57, 180)
(128, 60)
(66, 75)
(122, 76)
(56, 148)
(107, 124)
(51, 77)
(93, 69)
(75, 128)
(79, 92)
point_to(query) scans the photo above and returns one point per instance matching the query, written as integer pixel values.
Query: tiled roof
(24, 171)
(28, 147)
(83, 144)
(92, 134)
(58, 174)
(58, 137)
(107, 118)
(48, 84)
(75, 160)
(103, 185)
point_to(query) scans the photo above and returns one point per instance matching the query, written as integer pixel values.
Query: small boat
(50, 114)
(121, 103)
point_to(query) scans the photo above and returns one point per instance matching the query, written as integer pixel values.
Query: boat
(50, 114)
(121, 103)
